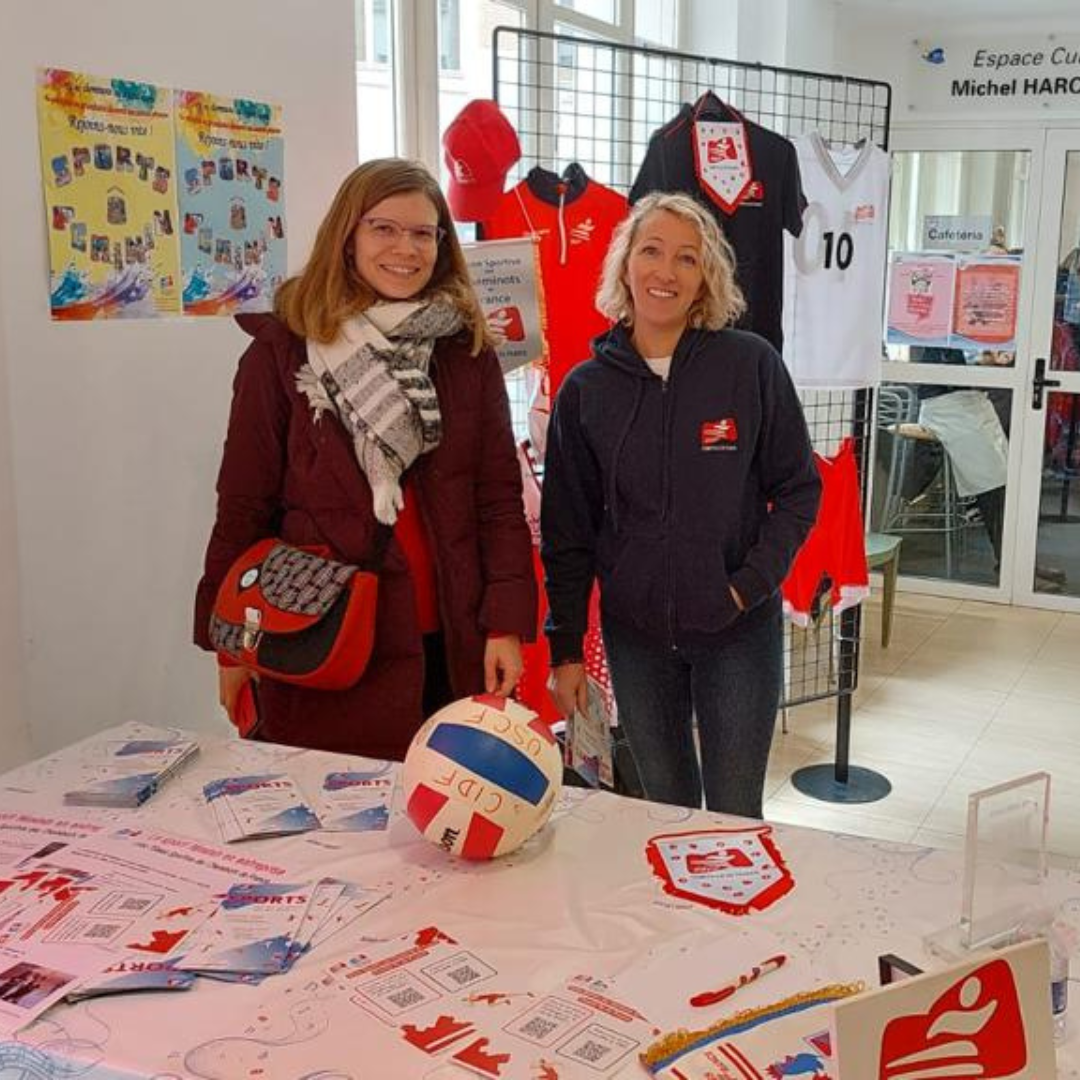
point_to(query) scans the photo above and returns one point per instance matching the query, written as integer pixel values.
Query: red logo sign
(722, 149)
(719, 433)
(711, 862)
(973, 1029)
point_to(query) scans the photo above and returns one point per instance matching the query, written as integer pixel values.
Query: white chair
(936, 508)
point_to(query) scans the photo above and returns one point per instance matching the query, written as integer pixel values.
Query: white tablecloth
(580, 897)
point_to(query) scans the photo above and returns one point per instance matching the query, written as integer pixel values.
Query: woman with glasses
(679, 474)
(371, 400)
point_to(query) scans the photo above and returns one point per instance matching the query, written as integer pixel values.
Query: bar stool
(883, 552)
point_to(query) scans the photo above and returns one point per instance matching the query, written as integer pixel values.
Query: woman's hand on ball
(503, 664)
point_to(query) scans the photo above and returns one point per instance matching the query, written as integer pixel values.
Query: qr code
(406, 998)
(463, 975)
(539, 1027)
(591, 1051)
(134, 903)
(101, 930)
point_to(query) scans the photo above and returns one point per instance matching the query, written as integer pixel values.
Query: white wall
(710, 28)
(811, 36)
(116, 426)
(14, 730)
(786, 33)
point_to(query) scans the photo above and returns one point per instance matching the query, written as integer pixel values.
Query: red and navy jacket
(670, 492)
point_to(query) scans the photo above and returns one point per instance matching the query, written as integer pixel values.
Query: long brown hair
(328, 290)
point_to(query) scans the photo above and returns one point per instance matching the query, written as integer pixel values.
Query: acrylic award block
(1005, 865)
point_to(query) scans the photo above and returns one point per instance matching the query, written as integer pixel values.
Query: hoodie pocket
(703, 600)
(632, 583)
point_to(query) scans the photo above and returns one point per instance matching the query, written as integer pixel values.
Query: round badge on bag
(249, 577)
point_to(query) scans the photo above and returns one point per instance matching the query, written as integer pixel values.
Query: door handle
(1040, 383)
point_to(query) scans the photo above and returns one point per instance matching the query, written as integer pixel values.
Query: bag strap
(374, 561)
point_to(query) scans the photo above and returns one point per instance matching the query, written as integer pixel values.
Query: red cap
(479, 147)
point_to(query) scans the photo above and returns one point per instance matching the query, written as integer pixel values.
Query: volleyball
(481, 776)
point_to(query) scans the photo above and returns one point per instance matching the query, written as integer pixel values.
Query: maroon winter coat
(283, 474)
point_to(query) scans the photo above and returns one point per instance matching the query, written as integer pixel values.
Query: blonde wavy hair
(315, 302)
(721, 301)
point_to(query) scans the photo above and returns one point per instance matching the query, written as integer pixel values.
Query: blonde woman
(678, 474)
(372, 396)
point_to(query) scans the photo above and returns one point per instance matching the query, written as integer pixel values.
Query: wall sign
(956, 232)
(1022, 72)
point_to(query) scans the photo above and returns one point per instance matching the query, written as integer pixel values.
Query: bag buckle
(252, 628)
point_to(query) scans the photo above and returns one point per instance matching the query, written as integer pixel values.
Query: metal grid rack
(597, 103)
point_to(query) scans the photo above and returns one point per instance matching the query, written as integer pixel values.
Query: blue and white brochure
(264, 805)
(357, 799)
(128, 770)
(253, 932)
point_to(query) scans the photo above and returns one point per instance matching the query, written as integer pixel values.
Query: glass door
(1047, 570)
(964, 217)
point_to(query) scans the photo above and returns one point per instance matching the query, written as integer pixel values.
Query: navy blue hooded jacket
(669, 493)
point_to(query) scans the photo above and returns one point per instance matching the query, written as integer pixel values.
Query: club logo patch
(719, 434)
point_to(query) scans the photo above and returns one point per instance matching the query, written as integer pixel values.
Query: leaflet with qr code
(449, 1002)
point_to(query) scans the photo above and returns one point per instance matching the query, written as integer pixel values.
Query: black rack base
(820, 782)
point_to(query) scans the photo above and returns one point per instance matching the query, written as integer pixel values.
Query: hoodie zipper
(665, 495)
(562, 225)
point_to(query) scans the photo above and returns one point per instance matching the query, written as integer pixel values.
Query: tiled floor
(967, 695)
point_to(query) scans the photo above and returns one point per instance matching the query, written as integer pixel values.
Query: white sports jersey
(835, 272)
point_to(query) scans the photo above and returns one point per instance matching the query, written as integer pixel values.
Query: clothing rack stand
(596, 103)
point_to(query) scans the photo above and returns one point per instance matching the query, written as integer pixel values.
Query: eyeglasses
(424, 237)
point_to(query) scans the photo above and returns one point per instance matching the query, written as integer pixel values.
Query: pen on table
(713, 997)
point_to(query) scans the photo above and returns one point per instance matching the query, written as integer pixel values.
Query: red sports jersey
(835, 551)
(574, 217)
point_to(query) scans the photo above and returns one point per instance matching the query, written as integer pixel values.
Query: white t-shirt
(835, 272)
(659, 365)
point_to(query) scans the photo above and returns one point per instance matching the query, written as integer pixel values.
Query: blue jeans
(731, 682)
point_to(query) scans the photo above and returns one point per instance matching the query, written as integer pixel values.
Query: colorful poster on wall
(920, 299)
(231, 156)
(107, 156)
(987, 299)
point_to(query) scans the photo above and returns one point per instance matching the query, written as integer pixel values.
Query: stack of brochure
(269, 804)
(261, 929)
(126, 772)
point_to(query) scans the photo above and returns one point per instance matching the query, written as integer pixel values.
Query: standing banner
(506, 277)
(231, 157)
(107, 157)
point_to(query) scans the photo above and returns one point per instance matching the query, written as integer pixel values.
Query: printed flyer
(107, 157)
(231, 159)
(920, 299)
(506, 276)
(987, 299)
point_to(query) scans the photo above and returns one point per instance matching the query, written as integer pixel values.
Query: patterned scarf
(375, 377)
